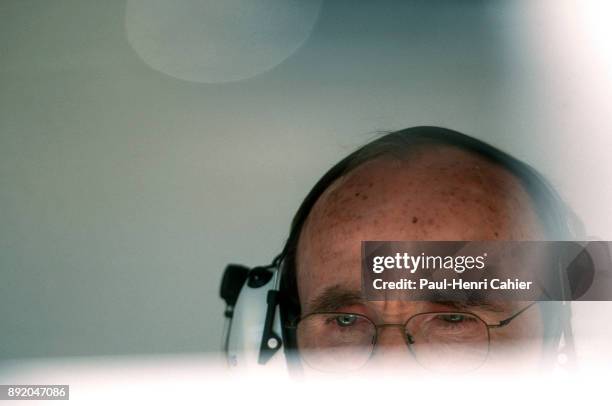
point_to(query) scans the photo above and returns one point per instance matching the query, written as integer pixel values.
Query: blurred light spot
(214, 41)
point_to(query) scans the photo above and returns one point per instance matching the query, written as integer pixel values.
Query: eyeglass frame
(502, 323)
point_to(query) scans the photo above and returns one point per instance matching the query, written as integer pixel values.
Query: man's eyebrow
(334, 298)
(497, 307)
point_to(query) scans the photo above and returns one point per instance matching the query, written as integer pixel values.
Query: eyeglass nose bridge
(408, 338)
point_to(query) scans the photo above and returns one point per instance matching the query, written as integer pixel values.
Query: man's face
(438, 193)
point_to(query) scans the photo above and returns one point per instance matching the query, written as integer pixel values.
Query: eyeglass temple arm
(507, 321)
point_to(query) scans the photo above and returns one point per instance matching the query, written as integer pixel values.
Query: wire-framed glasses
(440, 341)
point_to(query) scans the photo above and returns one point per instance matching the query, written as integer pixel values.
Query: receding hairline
(405, 158)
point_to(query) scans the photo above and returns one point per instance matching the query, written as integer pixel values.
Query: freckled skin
(436, 193)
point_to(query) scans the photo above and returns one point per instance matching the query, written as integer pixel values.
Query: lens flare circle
(212, 41)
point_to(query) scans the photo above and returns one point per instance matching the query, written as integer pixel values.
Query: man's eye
(346, 320)
(453, 318)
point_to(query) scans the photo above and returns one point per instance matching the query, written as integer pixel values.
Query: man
(422, 183)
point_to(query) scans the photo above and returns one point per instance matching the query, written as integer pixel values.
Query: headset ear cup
(252, 326)
(579, 271)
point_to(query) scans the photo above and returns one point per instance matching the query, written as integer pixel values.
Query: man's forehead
(434, 187)
(437, 193)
